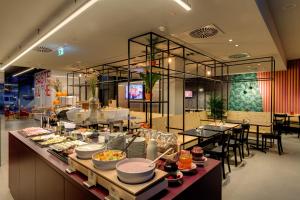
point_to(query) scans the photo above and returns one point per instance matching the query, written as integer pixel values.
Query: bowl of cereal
(107, 160)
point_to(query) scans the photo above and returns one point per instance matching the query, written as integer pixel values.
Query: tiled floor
(260, 177)
(267, 176)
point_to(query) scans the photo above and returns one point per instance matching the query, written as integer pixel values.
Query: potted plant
(57, 87)
(149, 80)
(216, 105)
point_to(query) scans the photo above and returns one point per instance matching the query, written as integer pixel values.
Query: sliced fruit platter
(42, 137)
(34, 131)
(66, 145)
(54, 140)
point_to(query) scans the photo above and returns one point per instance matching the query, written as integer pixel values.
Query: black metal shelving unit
(193, 64)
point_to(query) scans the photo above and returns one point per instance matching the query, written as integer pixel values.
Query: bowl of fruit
(107, 160)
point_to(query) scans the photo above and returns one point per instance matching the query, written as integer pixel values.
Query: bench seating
(253, 118)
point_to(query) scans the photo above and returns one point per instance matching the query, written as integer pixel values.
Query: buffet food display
(34, 131)
(126, 173)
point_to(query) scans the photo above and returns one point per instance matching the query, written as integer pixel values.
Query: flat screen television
(188, 94)
(136, 91)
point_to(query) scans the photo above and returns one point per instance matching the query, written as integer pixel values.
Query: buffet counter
(34, 173)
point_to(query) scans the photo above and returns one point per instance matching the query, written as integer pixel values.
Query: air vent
(205, 31)
(43, 49)
(239, 56)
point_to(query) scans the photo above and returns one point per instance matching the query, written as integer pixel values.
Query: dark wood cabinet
(33, 177)
(49, 184)
(27, 174)
(14, 170)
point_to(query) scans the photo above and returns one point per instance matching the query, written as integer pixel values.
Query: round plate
(175, 180)
(193, 167)
(200, 162)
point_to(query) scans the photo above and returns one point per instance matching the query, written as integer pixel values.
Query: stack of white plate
(116, 141)
(137, 149)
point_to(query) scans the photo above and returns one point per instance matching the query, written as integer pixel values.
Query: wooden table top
(250, 123)
(205, 134)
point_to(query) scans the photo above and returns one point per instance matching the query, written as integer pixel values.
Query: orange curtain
(287, 89)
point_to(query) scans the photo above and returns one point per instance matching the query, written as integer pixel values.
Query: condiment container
(152, 149)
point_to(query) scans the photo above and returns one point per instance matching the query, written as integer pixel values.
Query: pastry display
(165, 141)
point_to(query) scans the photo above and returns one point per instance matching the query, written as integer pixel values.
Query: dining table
(257, 125)
(208, 131)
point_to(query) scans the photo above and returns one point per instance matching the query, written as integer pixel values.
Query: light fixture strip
(184, 4)
(52, 31)
(23, 72)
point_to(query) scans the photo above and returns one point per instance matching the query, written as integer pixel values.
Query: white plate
(194, 166)
(86, 151)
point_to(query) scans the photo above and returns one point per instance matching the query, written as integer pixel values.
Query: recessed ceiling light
(52, 31)
(236, 45)
(184, 4)
(162, 28)
(208, 73)
(230, 40)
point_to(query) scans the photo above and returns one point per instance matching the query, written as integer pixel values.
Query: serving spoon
(131, 141)
(156, 159)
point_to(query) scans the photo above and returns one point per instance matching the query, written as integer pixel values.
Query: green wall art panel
(245, 95)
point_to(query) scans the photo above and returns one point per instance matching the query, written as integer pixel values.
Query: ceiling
(286, 14)
(100, 34)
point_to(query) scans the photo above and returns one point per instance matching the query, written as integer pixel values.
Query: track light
(184, 4)
(52, 31)
(23, 72)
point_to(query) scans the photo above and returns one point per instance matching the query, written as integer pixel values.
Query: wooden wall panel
(287, 89)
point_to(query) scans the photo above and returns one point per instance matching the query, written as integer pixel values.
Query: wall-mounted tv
(136, 91)
(188, 94)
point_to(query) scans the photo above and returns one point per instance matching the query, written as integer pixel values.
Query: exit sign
(60, 51)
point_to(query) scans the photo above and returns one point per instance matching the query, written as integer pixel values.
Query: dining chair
(284, 119)
(235, 143)
(221, 152)
(275, 135)
(244, 138)
(296, 126)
